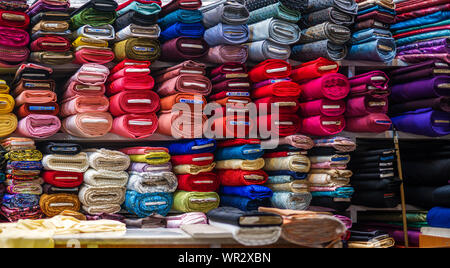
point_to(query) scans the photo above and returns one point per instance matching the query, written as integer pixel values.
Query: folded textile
(241, 164)
(20, 201)
(185, 83)
(68, 163)
(152, 221)
(322, 107)
(265, 49)
(92, 17)
(149, 155)
(39, 126)
(133, 30)
(15, 144)
(179, 4)
(438, 217)
(103, 159)
(241, 218)
(337, 34)
(193, 100)
(297, 141)
(195, 146)
(144, 167)
(184, 48)
(420, 89)
(337, 192)
(202, 182)
(16, 214)
(270, 68)
(226, 53)
(134, 102)
(249, 152)
(192, 30)
(237, 177)
(99, 178)
(137, 49)
(341, 144)
(105, 195)
(180, 15)
(249, 191)
(193, 169)
(369, 123)
(63, 179)
(286, 183)
(144, 205)
(287, 200)
(50, 189)
(232, 13)
(330, 86)
(223, 34)
(244, 203)
(423, 122)
(32, 187)
(380, 49)
(277, 31)
(428, 19)
(380, 198)
(94, 124)
(195, 201)
(331, 14)
(361, 106)
(20, 37)
(376, 79)
(134, 17)
(135, 126)
(152, 182)
(319, 49)
(53, 204)
(296, 163)
(52, 58)
(280, 125)
(371, 23)
(186, 67)
(178, 221)
(6, 103)
(274, 10)
(327, 180)
(83, 104)
(181, 125)
(322, 125)
(201, 159)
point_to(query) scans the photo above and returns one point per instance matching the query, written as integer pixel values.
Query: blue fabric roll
(25, 165)
(250, 191)
(13, 201)
(432, 18)
(371, 51)
(193, 30)
(139, 204)
(340, 192)
(439, 217)
(247, 151)
(196, 146)
(243, 203)
(370, 34)
(223, 34)
(180, 15)
(376, 8)
(293, 174)
(422, 37)
(425, 122)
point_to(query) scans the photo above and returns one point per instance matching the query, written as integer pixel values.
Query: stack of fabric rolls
(36, 101)
(369, 238)
(50, 32)
(64, 166)
(420, 99)
(421, 30)
(231, 93)
(275, 96)
(182, 31)
(91, 26)
(195, 193)
(22, 180)
(15, 38)
(370, 41)
(132, 101)
(326, 30)
(239, 168)
(182, 89)
(375, 176)
(226, 31)
(367, 105)
(104, 184)
(84, 105)
(8, 119)
(287, 166)
(272, 28)
(323, 91)
(151, 184)
(329, 178)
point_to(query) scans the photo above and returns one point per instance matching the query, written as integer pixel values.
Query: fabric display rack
(95, 153)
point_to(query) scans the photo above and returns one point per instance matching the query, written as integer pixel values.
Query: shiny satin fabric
(313, 69)
(87, 125)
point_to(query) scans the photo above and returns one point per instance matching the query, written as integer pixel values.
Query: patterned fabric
(277, 11)
(324, 48)
(20, 201)
(299, 5)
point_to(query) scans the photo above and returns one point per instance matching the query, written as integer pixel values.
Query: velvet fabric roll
(135, 126)
(143, 205)
(137, 49)
(181, 125)
(63, 179)
(39, 126)
(237, 177)
(193, 30)
(67, 163)
(362, 106)
(249, 165)
(88, 124)
(270, 68)
(377, 79)
(144, 167)
(249, 191)
(203, 182)
(274, 10)
(184, 48)
(195, 201)
(265, 49)
(152, 182)
(52, 205)
(99, 178)
(336, 34)
(243, 203)
(277, 31)
(369, 123)
(324, 48)
(223, 34)
(227, 53)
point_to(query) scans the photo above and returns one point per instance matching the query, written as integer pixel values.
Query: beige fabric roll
(335, 173)
(103, 159)
(193, 169)
(110, 208)
(323, 179)
(101, 178)
(69, 163)
(374, 243)
(297, 186)
(241, 164)
(103, 195)
(297, 163)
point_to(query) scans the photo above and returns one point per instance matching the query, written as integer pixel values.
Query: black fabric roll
(426, 172)
(323, 151)
(372, 176)
(232, 216)
(61, 148)
(377, 199)
(420, 196)
(299, 5)
(383, 184)
(441, 196)
(328, 202)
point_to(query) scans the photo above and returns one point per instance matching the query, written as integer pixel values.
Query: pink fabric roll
(36, 97)
(39, 126)
(322, 125)
(227, 53)
(322, 107)
(330, 86)
(375, 78)
(181, 125)
(328, 165)
(84, 104)
(88, 125)
(361, 106)
(369, 123)
(186, 67)
(76, 88)
(135, 126)
(90, 74)
(185, 83)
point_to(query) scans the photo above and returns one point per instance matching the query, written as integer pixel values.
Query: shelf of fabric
(158, 237)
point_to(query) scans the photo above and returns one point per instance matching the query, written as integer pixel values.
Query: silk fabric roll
(203, 182)
(281, 125)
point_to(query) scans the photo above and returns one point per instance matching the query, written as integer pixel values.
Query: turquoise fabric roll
(340, 192)
(181, 15)
(143, 205)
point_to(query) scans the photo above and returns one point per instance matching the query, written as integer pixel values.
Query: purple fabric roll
(432, 43)
(439, 104)
(421, 89)
(425, 122)
(422, 70)
(413, 237)
(426, 50)
(143, 167)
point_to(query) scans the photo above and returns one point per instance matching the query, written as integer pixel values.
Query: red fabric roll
(135, 126)
(50, 43)
(322, 107)
(370, 123)
(202, 159)
(47, 108)
(280, 89)
(237, 142)
(233, 126)
(237, 177)
(284, 104)
(228, 68)
(203, 182)
(268, 69)
(14, 19)
(313, 69)
(286, 125)
(283, 154)
(134, 102)
(63, 179)
(127, 63)
(322, 125)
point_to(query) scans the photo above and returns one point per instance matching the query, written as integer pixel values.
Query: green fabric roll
(92, 17)
(411, 217)
(277, 11)
(195, 201)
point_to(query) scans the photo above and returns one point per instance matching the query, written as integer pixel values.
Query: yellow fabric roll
(8, 124)
(7, 103)
(4, 88)
(86, 41)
